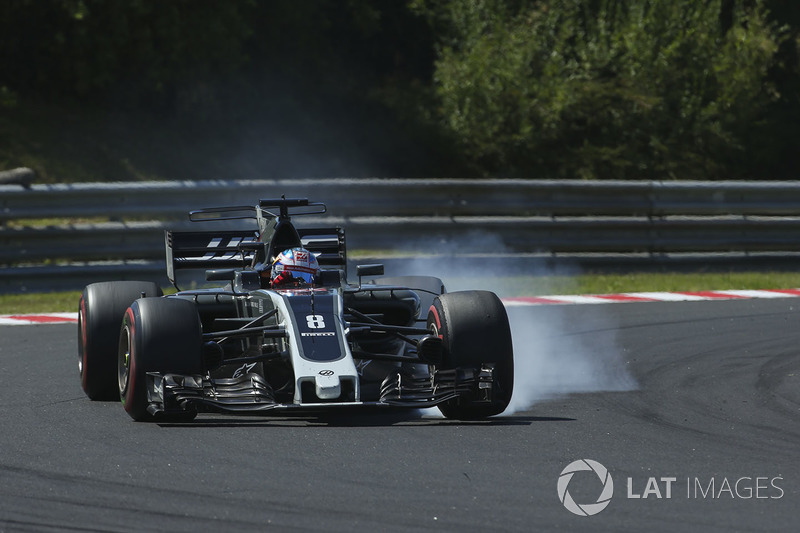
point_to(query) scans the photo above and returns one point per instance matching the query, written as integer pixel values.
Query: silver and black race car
(245, 348)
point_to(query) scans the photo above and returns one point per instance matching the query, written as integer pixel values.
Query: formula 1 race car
(249, 348)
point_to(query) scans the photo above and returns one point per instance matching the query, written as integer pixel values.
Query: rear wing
(204, 250)
(207, 250)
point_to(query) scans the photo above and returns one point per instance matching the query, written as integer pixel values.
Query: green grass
(509, 286)
(47, 222)
(12, 304)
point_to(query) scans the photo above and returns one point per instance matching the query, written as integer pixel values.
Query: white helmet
(294, 267)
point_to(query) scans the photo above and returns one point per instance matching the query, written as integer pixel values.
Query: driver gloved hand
(283, 278)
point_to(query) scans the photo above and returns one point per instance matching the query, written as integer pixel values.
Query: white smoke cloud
(553, 356)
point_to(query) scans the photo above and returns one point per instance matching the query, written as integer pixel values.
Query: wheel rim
(124, 359)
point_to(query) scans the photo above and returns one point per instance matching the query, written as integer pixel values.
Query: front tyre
(475, 331)
(161, 335)
(99, 315)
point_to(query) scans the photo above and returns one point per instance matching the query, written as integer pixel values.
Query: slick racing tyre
(474, 329)
(99, 316)
(161, 335)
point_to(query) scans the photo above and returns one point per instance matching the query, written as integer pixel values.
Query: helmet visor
(299, 274)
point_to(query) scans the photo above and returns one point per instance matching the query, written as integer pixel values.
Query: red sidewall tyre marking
(127, 401)
(83, 342)
(437, 320)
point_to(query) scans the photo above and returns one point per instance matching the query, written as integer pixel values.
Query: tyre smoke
(558, 350)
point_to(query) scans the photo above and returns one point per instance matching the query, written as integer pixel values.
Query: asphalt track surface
(717, 397)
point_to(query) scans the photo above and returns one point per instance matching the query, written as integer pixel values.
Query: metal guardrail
(649, 220)
(145, 240)
(410, 197)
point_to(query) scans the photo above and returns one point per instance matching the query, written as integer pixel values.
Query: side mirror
(226, 274)
(368, 270)
(329, 278)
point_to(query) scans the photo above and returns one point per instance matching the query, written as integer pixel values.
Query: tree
(129, 52)
(603, 88)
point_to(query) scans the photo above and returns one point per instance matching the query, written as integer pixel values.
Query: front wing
(252, 394)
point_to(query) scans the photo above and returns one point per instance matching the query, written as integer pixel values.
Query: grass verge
(508, 286)
(51, 302)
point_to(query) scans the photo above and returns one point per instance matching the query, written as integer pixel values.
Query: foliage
(604, 89)
(656, 89)
(193, 89)
(130, 52)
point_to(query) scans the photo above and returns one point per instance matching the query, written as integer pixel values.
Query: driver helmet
(295, 267)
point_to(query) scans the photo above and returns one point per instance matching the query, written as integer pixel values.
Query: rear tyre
(99, 315)
(161, 335)
(474, 329)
